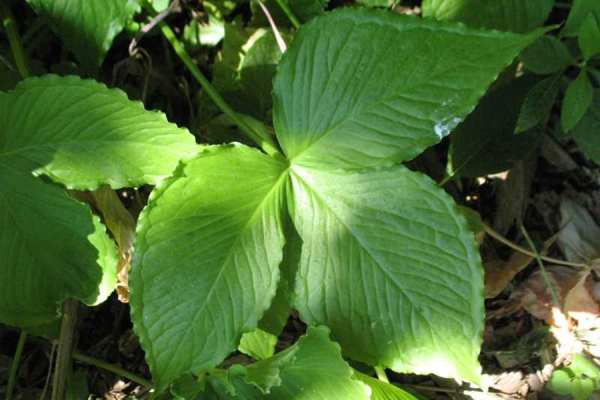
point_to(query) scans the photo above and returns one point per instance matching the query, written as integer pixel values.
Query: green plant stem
(381, 375)
(290, 14)
(545, 275)
(10, 27)
(65, 349)
(490, 231)
(263, 140)
(115, 369)
(14, 367)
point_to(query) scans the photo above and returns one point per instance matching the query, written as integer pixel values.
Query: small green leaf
(577, 101)
(207, 258)
(160, 5)
(210, 34)
(485, 143)
(560, 382)
(583, 388)
(589, 36)
(85, 135)
(547, 55)
(369, 270)
(258, 344)
(579, 12)
(586, 131)
(357, 87)
(538, 103)
(582, 366)
(87, 27)
(311, 369)
(384, 391)
(504, 15)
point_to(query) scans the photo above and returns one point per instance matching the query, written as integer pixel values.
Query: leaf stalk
(14, 367)
(10, 27)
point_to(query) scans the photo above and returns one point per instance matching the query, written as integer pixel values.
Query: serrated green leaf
(538, 103)
(384, 391)
(589, 36)
(586, 131)
(577, 101)
(389, 264)
(207, 258)
(258, 344)
(486, 143)
(357, 87)
(547, 55)
(312, 369)
(579, 12)
(87, 28)
(505, 15)
(47, 242)
(81, 134)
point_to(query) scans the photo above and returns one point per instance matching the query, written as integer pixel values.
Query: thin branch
(490, 231)
(10, 27)
(14, 367)
(65, 349)
(115, 369)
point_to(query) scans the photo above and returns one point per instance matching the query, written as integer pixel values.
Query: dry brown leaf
(499, 273)
(122, 226)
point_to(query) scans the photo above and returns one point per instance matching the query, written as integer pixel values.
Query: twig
(10, 27)
(490, 231)
(65, 349)
(545, 275)
(262, 139)
(14, 367)
(50, 363)
(276, 33)
(290, 14)
(115, 369)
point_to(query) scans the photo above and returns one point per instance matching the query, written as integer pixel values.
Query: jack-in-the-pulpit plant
(387, 262)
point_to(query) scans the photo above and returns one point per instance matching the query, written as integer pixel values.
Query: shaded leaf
(586, 131)
(547, 55)
(504, 15)
(579, 235)
(87, 27)
(589, 36)
(538, 103)
(579, 12)
(207, 257)
(485, 143)
(33, 283)
(577, 101)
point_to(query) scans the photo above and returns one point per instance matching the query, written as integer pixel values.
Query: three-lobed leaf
(355, 92)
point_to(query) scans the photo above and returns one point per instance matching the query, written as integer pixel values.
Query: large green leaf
(82, 134)
(51, 250)
(505, 15)
(389, 264)
(206, 259)
(359, 87)
(87, 27)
